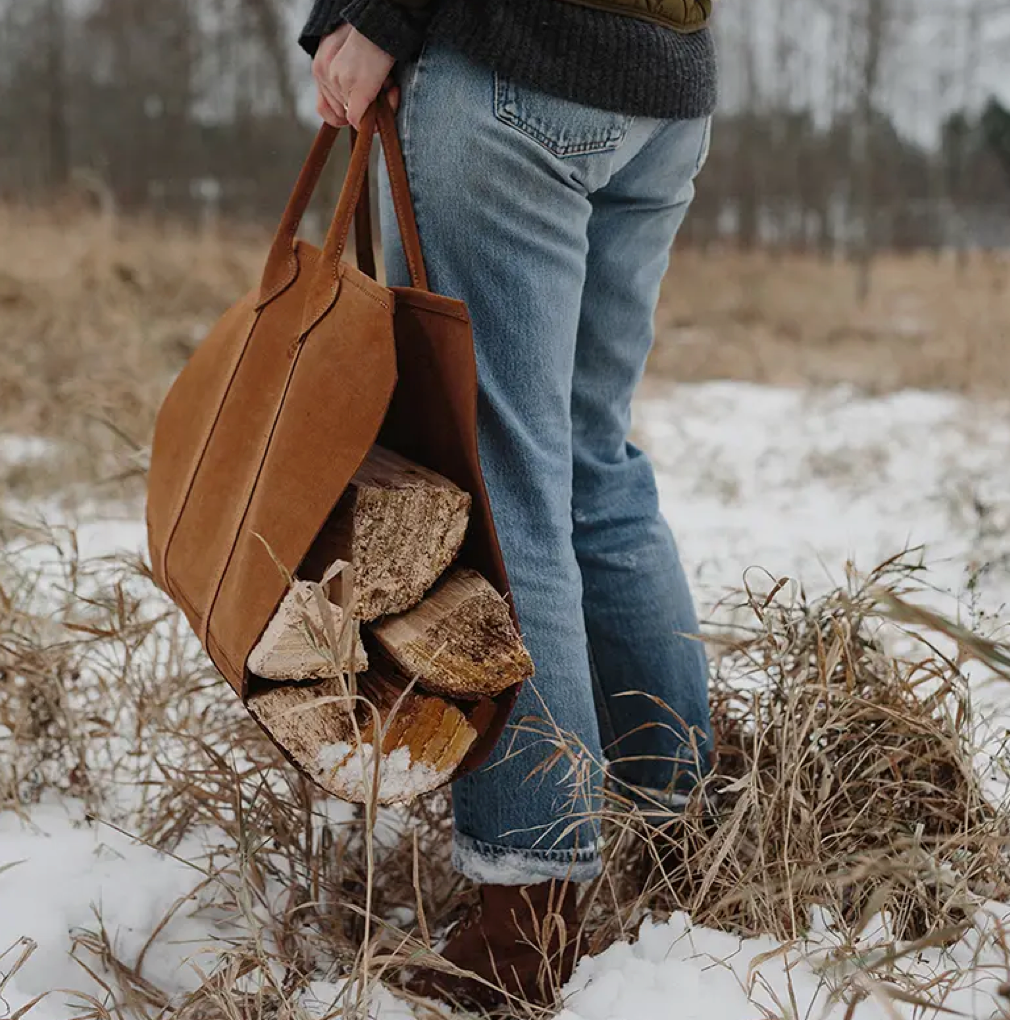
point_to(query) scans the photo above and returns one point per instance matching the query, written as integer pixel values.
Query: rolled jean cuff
(490, 864)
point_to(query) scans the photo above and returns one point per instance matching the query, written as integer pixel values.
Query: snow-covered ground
(799, 482)
(752, 479)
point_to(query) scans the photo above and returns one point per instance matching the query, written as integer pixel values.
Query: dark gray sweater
(589, 56)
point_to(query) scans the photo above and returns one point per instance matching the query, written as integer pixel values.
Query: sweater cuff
(393, 28)
(325, 19)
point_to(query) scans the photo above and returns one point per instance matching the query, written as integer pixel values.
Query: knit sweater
(611, 61)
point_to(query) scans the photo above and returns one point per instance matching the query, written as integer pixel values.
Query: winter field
(158, 860)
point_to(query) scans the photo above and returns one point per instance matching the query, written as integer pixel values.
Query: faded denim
(554, 223)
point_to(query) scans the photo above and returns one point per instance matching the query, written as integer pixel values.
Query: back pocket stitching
(607, 143)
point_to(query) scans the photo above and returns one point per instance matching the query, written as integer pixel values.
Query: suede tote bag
(267, 423)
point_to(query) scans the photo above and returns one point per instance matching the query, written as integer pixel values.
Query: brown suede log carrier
(266, 425)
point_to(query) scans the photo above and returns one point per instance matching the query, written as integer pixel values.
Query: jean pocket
(559, 125)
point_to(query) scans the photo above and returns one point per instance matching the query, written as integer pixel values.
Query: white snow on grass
(60, 876)
(676, 972)
(789, 481)
(797, 482)
(21, 450)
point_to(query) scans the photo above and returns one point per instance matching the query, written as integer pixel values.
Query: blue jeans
(554, 223)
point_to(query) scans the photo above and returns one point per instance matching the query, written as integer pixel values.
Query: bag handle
(282, 262)
(364, 244)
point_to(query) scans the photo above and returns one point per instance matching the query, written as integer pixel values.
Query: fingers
(330, 112)
(357, 106)
(350, 70)
(330, 102)
(335, 111)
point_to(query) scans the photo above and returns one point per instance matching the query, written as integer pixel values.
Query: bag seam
(367, 292)
(183, 502)
(250, 495)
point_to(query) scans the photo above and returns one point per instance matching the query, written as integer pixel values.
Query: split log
(422, 739)
(400, 525)
(458, 641)
(296, 644)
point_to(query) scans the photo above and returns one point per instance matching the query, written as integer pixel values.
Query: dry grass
(847, 782)
(96, 317)
(847, 777)
(846, 787)
(795, 321)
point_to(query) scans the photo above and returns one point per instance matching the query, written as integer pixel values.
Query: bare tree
(191, 107)
(272, 30)
(56, 73)
(873, 19)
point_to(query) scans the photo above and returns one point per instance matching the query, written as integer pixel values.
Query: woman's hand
(350, 71)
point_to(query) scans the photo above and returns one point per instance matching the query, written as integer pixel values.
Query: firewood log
(422, 739)
(458, 641)
(400, 525)
(297, 643)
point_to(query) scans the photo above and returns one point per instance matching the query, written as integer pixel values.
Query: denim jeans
(554, 223)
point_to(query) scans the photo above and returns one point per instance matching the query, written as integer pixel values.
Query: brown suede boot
(520, 941)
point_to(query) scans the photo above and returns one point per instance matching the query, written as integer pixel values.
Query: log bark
(422, 739)
(458, 641)
(400, 525)
(296, 645)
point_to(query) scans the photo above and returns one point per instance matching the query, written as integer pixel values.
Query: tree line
(844, 126)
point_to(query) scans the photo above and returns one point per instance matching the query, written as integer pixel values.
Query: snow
(675, 971)
(400, 777)
(753, 480)
(798, 482)
(324, 1001)
(60, 875)
(20, 450)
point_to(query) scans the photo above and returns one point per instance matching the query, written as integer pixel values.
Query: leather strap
(282, 262)
(364, 242)
(401, 195)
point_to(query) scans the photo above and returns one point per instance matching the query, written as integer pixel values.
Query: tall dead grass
(793, 320)
(846, 791)
(96, 317)
(97, 314)
(847, 786)
(847, 781)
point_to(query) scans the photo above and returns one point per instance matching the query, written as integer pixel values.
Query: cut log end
(296, 645)
(423, 740)
(394, 533)
(459, 641)
(400, 525)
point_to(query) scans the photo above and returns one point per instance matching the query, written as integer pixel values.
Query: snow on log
(422, 739)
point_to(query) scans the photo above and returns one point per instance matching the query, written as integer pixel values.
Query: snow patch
(401, 779)
(60, 875)
(18, 450)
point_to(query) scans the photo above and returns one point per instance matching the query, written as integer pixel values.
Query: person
(551, 148)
